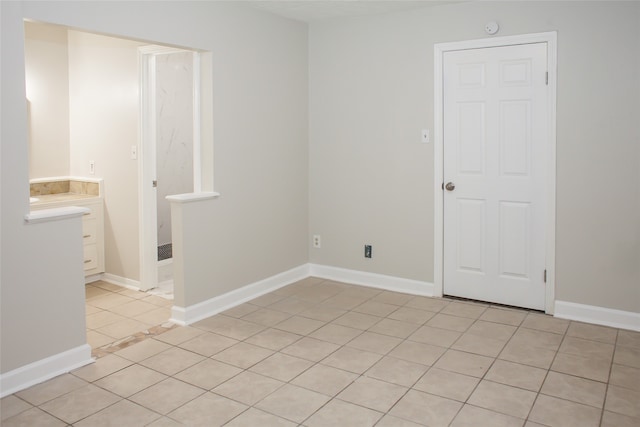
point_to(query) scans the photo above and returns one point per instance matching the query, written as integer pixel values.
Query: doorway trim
(147, 198)
(550, 38)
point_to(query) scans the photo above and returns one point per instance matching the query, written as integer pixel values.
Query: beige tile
(576, 389)
(375, 343)
(325, 379)
(452, 323)
(316, 294)
(472, 311)
(428, 304)
(352, 360)
(229, 327)
(31, 418)
(628, 356)
(416, 352)
(623, 401)
(479, 345)
(323, 313)
(625, 376)
(157, 316)
(123, 328)
(586, 348)
(447, 384)
(299, 325)
(336, 334)
(358, 291)
(133, 308)
(96, 339)
(534, 338)
(344, 302)
(248, 388)
(543, 322)
(179, 334)
(464, 363)
(108, 286)
(208, 374)
(335, 412)
(503, 316)
(357, 320)
(492, 330)
(426, 409)
(102, 318)
(555, 412)
(592, 332)
(527, 355)
(49, 390)
(159, 301)
(80, 403)
(11, 406)
(241, 310)
(166, 395)
(472, 416)
(373, 394)
(94, 291)
(292, 403)
(516, 375)
(587, 367)
(142, 350)
(310, 349)
(172, 361)
(395, 298)
(273, 339)
(411, 315)
(396, 371)
(130, 380)
(122, 413)
(629, 338)
(281, 367)
(133, 294)
(611, 419)
(165, 422)
(435, 336)
(108, 301)
(291, 305)
(502, 398)
(89, 309)
(267, 299)
(394, 328)
(255, 417)
(208, 343)
(243, 355)
(375, 308)
(391, 421)
(266, 317)
(207, 410)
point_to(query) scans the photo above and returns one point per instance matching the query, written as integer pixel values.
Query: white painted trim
(438, 152)
(192, 197)
(42, 370)
(598, 315)
(188, 315)
(54, 214)
(134, 285)
(372, 280)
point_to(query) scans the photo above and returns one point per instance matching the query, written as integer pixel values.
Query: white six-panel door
(495, 142)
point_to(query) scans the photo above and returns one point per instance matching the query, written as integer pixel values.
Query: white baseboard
(188, 315)
(44, 369)
(93, 278)
(598, 315)
(121, 281)
(373, 280)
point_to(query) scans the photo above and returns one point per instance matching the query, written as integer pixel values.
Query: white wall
(47, 74)
(371, 180)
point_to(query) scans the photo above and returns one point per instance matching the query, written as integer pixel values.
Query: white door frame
(438, 152)
(147, 200)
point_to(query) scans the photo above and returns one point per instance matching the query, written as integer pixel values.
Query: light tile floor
(321, 353)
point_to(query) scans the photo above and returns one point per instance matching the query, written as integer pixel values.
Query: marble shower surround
(64, 186)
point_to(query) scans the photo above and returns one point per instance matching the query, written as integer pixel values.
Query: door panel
(495, 133)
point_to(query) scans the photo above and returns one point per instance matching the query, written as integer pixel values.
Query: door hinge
(545, 276)
(546, 78)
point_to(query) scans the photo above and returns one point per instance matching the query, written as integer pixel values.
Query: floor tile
(180, 335)
(543, 322)
(130, 380)
(33, 417)
(292, 403)
(411, 315)
(503, 316)
(344, 302)
(165, 422)
(207, 410)
(281, 367)
(479, 345)
(592, 332)
(166, 395)
(628, 356)
(394, 328)
(323, 313)
(143, 350)
(243, 355)
(336, 411)
(435, 336)
(516, 375)
(396, 371)
(527, 355)
(472, 311)
(391, 421)
(492, 330)
(623, 401)
(464, 363)
(373, 394)
(576, 389)
(208, 374)
(123, 328)
(426, 409)
(229, 327)
(375, 343)
(375, 308)
(266, 317)
(395, 298)
(586, 367)
(207, 344)
(133, 308)
(248, 388)
(299, 325)
(336, 334)
(172, 361)
(241, 310)
(255, 417)
(102, 318)
(535, 338)
(310, 349)
(325, 379)
(357, 320)
(108, 300)
(452, 323)
(611, 419)
(472, 416)
(352, 359)
(447, 384)
(80, 403)
(427, 303)
(291, 305)
(503, 399)
(158, 316)
(629, 338)
(96, 339)
(49, 390)
(267, 299)
(12, 405)
(625, 376)
(416, 352)
(273, 339)
(554, 412)
(581, 347)
(121, 414)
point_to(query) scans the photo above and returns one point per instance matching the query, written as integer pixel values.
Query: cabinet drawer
(88, 215)
(90, 256)
(89, 230)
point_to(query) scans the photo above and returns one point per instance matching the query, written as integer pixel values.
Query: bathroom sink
(33, 199)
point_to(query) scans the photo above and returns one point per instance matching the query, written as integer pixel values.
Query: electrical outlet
(367, 251)
(316, 241)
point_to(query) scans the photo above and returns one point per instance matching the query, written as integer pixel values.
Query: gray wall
(371, 180)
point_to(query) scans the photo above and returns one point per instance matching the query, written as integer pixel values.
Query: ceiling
(316, 10)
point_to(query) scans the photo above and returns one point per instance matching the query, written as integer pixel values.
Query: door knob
(450, 186)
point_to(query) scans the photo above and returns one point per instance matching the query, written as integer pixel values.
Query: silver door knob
(450, 186)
